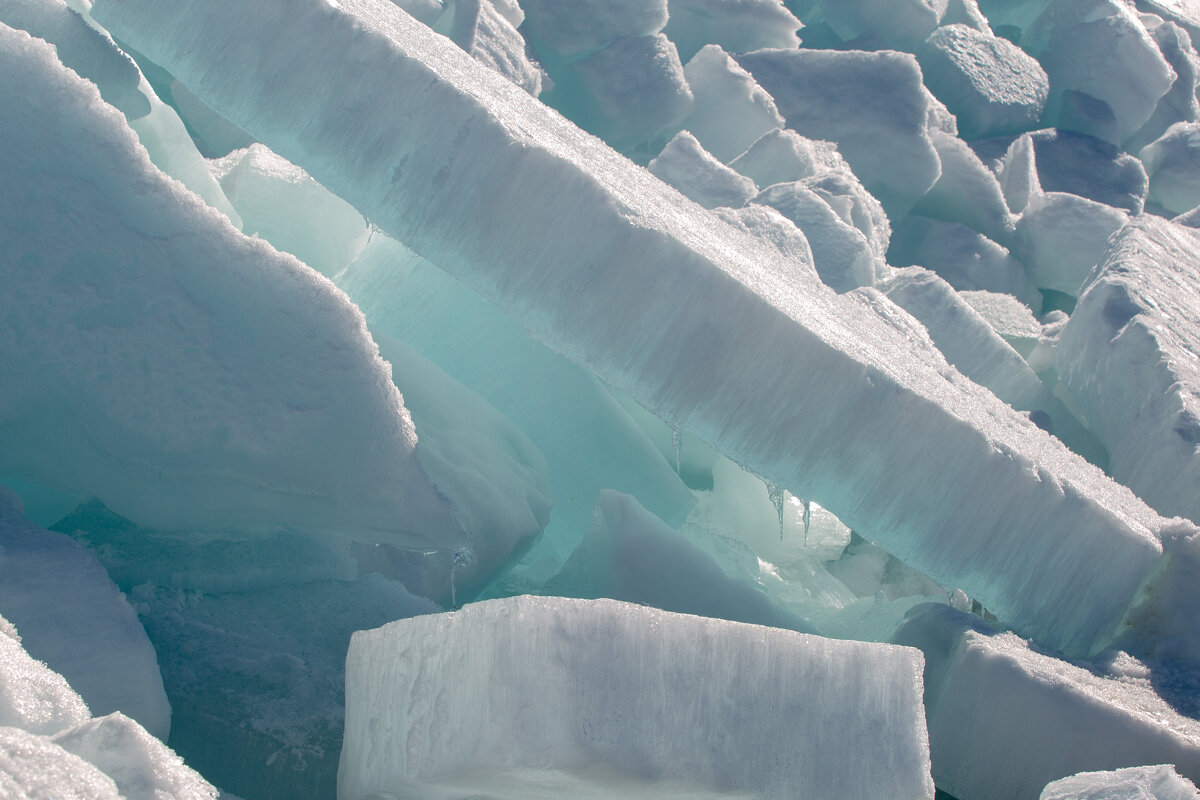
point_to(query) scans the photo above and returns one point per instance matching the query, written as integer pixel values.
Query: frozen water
(1173, 164)
(737, 26)
(1009, 317)
(1129, 356)
(966, 192)
(1060, 237)
(732, 111)
(33, 697)
(155, 357)
(901, 24)
(33, 767)
(491, 38)
(142, 767)
(990, 85)
(686, 165)
(872, 105)
(574, 26)
(72, 616)
(779, 156)
(1046, 718)
(1180, 103)
(565, 684)
(709, 326)
(1160, 782)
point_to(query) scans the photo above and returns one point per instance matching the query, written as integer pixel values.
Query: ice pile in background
(850, 320)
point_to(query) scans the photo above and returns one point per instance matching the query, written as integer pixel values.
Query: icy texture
(964, 258)
(732, 111)
(696, 321)
(1101, 50)
(1010, 318)
(872, 105)
(966, 192)
(1130, 354)
(1132, 783)
(638, 86)
(1061, 237)
(279, 202)
(1173, 164)
(738, 26)
(686, 165)
(589, 442)
(574, 26)
(902, 24)
(779, 156)
(1180, 103)
(1045, 718)
(565, 684)
(34, 768)
(32, 696)
(214, 135)
(84, 49)
(74, 618)
(841, 253)
(770, 226)
(492, 39)
(629, 554)
(142, 767)
(155, 357)
(989, 84)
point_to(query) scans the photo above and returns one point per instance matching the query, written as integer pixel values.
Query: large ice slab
(158, 359)
(568, 684)
(34, 697)
(700, 323)
(1045, 718)
(1159, 782)
(72, 616)
(1129, 356)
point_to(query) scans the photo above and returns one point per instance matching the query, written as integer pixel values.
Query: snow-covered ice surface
(559, 684)
(475, 174)
(1159, 782)
(160, 360)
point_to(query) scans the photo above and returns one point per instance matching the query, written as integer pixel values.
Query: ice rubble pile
(319, 315)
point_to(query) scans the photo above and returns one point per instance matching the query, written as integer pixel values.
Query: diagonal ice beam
(842, 399)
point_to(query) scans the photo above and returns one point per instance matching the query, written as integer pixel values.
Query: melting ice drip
(807, 519)
(776, 493)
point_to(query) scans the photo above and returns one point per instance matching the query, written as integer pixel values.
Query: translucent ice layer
(569, 684)
(699, 322)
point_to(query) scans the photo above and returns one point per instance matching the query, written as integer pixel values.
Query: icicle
(775, 492)
(461, 557)
(676, 442)
(807, 520)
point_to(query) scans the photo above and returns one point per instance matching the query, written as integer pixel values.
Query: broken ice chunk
(557, 684)
(691, 169)
(574, 26)
(989, 84)
(35, 768)
(1173, 164)
(779, 156)
(481, 30)
(1159, 782)
(1180, 104)
(34, 697)
(1131, 357)
(902, 24)
(732, 111)
(872, 105)
(1009, 317)
(73, 617)
(1046, 718)
(156, 358)
(1061, 236)
(966, 191)
(737, 26)
(631, 555)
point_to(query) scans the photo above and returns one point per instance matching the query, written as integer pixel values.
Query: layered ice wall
(548, 684)
(699, 322)
(156, 358)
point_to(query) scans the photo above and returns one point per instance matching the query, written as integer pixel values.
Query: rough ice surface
(1173, 164)
(34, 697)
(966, 192)
(1061, 237)
(72, 616)
(33, 767)
(737, 26)
(990, 85)
(872, 105)
(1180, 103)
(1159, 782)
(142, 767)
(686, 165)
(732, 111)
(1129, 356)
(574, 26)
(562, 684)
(1046, 718)
(629, 554)
(692, 369)
(482, 30)
(160, 360)
(781, 155)
(902, 24)
(1009, 317)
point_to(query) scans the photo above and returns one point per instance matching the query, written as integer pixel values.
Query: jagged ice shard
(704, 325)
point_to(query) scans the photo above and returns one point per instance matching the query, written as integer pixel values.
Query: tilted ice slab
(153, 356)
(34, 697)
(1131, 357)
(703, 325)
(73, 617)
(1045, 718)
(553, 683)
